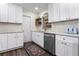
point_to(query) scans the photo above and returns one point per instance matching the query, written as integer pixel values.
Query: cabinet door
(68, 50)
(34, 37)
(40, 39)
(0, 43)
(51, 12)
(3, 12)
(74, 10)
(54, 12)
(11, 13)
(20, 39)
(71, 46)
(64, 11)
(12, 40)
(19, 14)
(3, 42)
(59, 48)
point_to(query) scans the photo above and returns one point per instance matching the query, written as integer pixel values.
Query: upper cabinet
(11, 13)
(53, 12)
(62, 11)
(19, 14)
(3, 12)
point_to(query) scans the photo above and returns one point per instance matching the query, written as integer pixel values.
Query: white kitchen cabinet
(3, 12)
(62, 11)
(15, 13)
(72, 46)
(54, 12)
(19, 14)
(11, 13)
(50, 12)
(74, 10)
(20, 39)
(34, 36)
(12, 40)
(69, 11)
(0, 44)
(3, 42)
(66, 46)
(59, 46)
(38, 38)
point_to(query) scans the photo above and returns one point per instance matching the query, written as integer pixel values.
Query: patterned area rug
(34, 50)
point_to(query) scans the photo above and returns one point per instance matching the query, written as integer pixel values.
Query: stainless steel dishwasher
(49, 42)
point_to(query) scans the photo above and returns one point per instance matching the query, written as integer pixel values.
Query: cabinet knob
(65, 43)
(63, 38)
(61, 42)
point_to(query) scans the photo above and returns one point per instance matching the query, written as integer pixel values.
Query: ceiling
(31, 7)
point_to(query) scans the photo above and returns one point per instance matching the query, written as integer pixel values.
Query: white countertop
(65, 34)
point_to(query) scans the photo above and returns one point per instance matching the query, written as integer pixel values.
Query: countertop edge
(63, 34)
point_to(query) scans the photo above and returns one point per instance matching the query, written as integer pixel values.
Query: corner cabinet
(11, 13)
(38, 38)
(66, 46)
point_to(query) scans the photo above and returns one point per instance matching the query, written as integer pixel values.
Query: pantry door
(27, 28)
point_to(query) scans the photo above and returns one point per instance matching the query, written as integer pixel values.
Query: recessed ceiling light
(36, 8)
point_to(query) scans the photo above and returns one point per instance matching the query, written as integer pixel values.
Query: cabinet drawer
(59, 37)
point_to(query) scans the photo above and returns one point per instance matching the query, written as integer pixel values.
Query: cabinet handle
(65, 43)
(62, 42)
(63, 38)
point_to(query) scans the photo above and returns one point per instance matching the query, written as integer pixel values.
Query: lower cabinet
(20, 39)
(15, 40)
(38, 38)
(10, 41)
(3, 42)
(66, 46)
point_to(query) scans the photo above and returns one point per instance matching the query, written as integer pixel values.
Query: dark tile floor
(29, 49)
(17, 52)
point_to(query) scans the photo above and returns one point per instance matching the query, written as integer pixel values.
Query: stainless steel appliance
(49, 42)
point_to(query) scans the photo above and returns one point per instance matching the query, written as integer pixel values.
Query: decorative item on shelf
(47, 25)
(38, 21)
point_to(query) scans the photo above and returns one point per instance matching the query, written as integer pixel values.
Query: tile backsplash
(61, 27)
